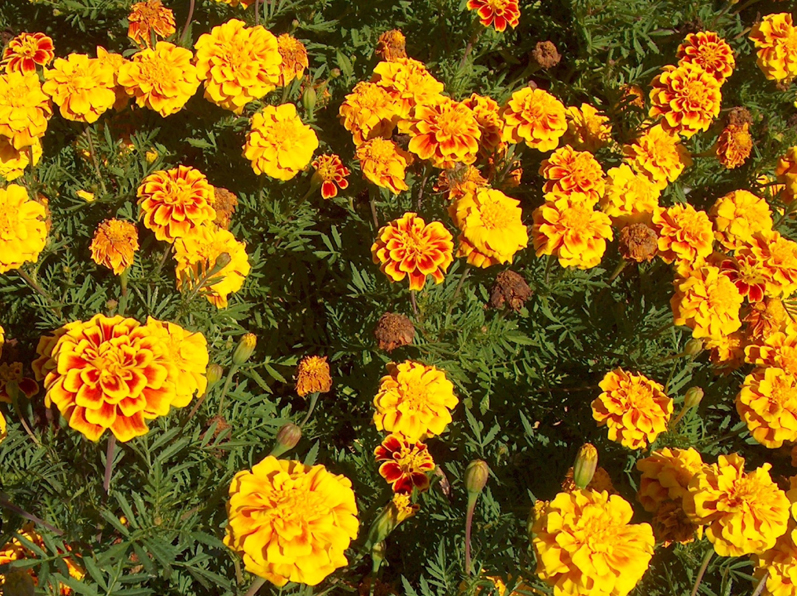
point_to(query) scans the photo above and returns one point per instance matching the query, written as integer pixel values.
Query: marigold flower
(686, 97)
(406, 464)
(224, 203)
(445, 133)
(24, 109)
(175, 203)
(14, 161)
(671, 524)
(767, 402)
(633, 95)
(491, 226)
(392, 45)
(776, 258)
(238, 64)
(393, 331)
(774, 37)
(149, 20)
(162, 79)
(313, 376)
(291, 522)
(408, 83)
(279, 144)
(23, 231)
(488, 117)
(414, 400)
(459, 181)
(743, 270)
(585, 544)
(12, 380)
(635, 408)
(629, 197)
(708, 302)
(573, 232)
(738, 216)
(684, 233)
(638, 242)
(409, 247)
(780, 566)
(778, 350)
(658, 155)
(666, 474)
(734, 145)
(710, 52)
(384, 163)
(82, 87)
(536, 117)
(330, 174)
(575, 175)
(766, 318)
(726, 352)
(745, 513)
(786, 173)
(368, 112)
(188, 353)
(115, 244)
(199, 254)
(587, 128)
(498, 13)
(26, 51)
(294, 59)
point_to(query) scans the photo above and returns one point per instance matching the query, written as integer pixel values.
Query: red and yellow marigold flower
(634, 408)
(330, 174)
(115, 244)
(405, 465)
(536, 117)
(238, 64)
(573, 232)
(12, 379)
(710, 52)
(776, 259)
(684, 233)
(26, 51)
(150, 20)
(294, 59)
(666, 474)
(291, 522)
(738, 216)
(707, 302)
(743, 270)
(445, 133)
(368, 112)
(686, 97)
(775, 39)
(188, 352)
(734, 145)
(586, 545)
(658, 155)
(587, 128)
(279, 144)
(414, 400)
(629, 197)
(408, 83)
(23, 231)
(24, 109)
(488, 117)
(778, 350)
(384, 163)
(745, 512)
(409, 247)
(574, 175)
(175, 203)
(498, 13)
(786, 173)
(83, 87)
(767, 403)
(14, 161)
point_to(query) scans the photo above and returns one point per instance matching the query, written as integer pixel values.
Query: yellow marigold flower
(665, 476)
(586, 546)
(313, 376)
(734, 145)
(115, 61)
(330, 174)
(244, 3)
(188, 352)
(115, 244)
(767, 402)
(82, 87)
(710, 52)
(684, 233)
(776, 258)
(14, 161)
(162, 79)
(409, 247)
(414, 400)
(686, 97)
(291, 522)
(11, 375)
(238, 64)
(149, 20)
(279, 144)
(536, 117)
(176, 203)
(445, 133)
(658, 155)
(408, 83)
(392, 45)
(775, 38)
(587, 128)
(708, 302)
(745, 513)
(24, 109)
(384, 163)
(786, 173)
(629, 197)
(26, 51)
(726, 352)
(574, 175)
(635, 408)
(368, 112)
(498, 13)
(738, 216)
(491, 225)
(488, 117)
(23, 231)
(294, 59)
(200, 254)
(778, 349)
(671, 524)
(573, 232)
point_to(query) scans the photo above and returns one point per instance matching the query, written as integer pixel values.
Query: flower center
(577, 218)
(327, 170)
(723, 296)
(414, 393)
(451, 124)
(155, 72)
(696, 94)
(28, 47)
(495, 216)
(294, 505)
(410, 460)
(285, 135)
(179, 192)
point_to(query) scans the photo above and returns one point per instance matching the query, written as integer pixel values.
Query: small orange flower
(686, 97)
(776, 257)
(658, 155)
(384, 163)
(629, 197)
(150, 19)
(498, 13)
(709, 51)
(294, 59)
(768, 405)
(392, 45)
(445, 133)
(410, 247)
(573, 232)
(536, 117)
(743, 270)
(26, 51)
(331, 174)
(406, 465)
(778, 350)
(368, 112)
(115, 244)
(684, 233)
(574, 175)
(738, 216)
(408, 83)
(708, 302)
(488, 117)
(734, 145)
(11, 377)
(313, 376)
(786, 172)
(775, 37)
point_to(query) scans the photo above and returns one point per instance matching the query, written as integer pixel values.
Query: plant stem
(472, 498)
(6, 504)
(32, 283)
(457, 290)
(674, 423)
(256, 585)
(702, 572)
(106, 484)
(123, 297)
(226, 388)
(761, 584)
(413, 303)
(257, 12)
(423, 185)
(373, 208)
(285, 91)
(620, 266)
(188, 21)
(14, 390)
(313, 402)
(94, 159)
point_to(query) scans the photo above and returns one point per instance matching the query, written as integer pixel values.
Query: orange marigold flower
(574, 175)
(162, 79)
(384, 163)
(23, 231)
(775, 38)
(238, 64)
(24, 109)
(629, 197)
(368, 112)
(707, 302)
(498, 13)
(149, 20)
(188, 352)
(786, 173)
(488, 117)
(658, 155)
(686, 97)
(726, 352)
(766, 318)
(27, 50)
(12, 380)
(405, 464)
(666, 474)
(313, 376)
(738, 216)
(14, 161)
(635, 408)
(330, 174)
(777, 350)
(684, 233)
(83, 87)
(408, 83)
(115, 244)
(745, 513)
(408, 247)
(573, 232)
(279, 144)
(776, 257)
(224, 204)
(767, 402)
(710, 52)
(445, 133)
(779, 566)
(734, 145)
(587, 128)
(294, 59)
(536, 117)
(392, 45)
(175, 203)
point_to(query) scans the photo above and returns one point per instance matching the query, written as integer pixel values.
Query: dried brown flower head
(392, 45)
(638, 243)
(739, 116)
(394, 331)
(224, 202)
(545, 54)
(509, 289)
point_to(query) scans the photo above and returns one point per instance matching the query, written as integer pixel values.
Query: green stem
(94, 159)
(313, 402)
(233, 369)
(761, 583)
(472, 498)
(548, 268)
(372, 200)
(6, 504)
(33, 284)
(702, 572)
(188, 22)
(123, 297)
(618, 270)
(109, 454)
(14, 391)
(256, 585)
(285, 91)
(681, 414)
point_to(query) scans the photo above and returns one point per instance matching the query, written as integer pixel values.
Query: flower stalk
(109, 455)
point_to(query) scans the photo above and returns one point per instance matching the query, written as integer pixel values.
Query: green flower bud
(693, 347)
(693, 397)
(585, 466)
(287, 438)
(222, 261)
(245, 349)
(214, 374)
(476, 475)
(309, 98)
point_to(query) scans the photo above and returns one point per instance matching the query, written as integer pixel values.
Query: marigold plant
(573, 232)
(115, 244)
(536, 117)
(279, 144)
(23, 232)
(82, 87)
(686, 97)
(27, 51)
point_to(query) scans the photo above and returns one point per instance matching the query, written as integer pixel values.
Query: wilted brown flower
(313, 376)
(600, 481)
(638, 242)
(394, 331)
(509, 289)
(670, 524)
(224, 202)
(545, 54)
(392, 45)
(739, 116)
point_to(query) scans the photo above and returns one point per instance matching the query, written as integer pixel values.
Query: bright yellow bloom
(313, 376)
(408, 83)
(778, 350)
(414, 400)
(294, 59)
(291, 522)
(279, 144)
(708, 302)
(409, 247)
(26, 51)
(392, 45)
(786, 173)
(658, 155)
(14, 161)
(745, 513)
(115, 244)
(536, 117)
(162, 79)
(488, 117)
(587, 128)
(3, 427)
(384, 163)
(780, 562)
(445, 133)
(82, 87)
(187, 351)
(586, 546)
(768, 404)
(635, 408)
(666, 474)
(238, 64)
(775, 38)
(368, 112)
(148, 20)
(776, 260)
(629, 197)
(574, 175)
(684, 233)
(23, 231)
(686, 97)
(738, 216)
(734, 145)
(24, 109)
(573, 232)
(115, 61)
(709, 51)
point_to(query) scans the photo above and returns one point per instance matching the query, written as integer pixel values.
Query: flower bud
(693, 347)
(244, 349)
(18, 582)
(222, 261)
(214, 374)
(378, 554)
(309, 98)
(476, 475)
(287, 438)
(334, 73)
(585, 466)
(693, 397)
(399, 509)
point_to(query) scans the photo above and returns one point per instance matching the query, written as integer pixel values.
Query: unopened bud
(476, 475)
(693, 397)
(214, 374)
(309, 98)
(398, 510)
(244, 349)
(18, 582)
(585, 466)
(287, 438)
(222, 261)
(334, 73)
(693, 347)
(378, 555)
